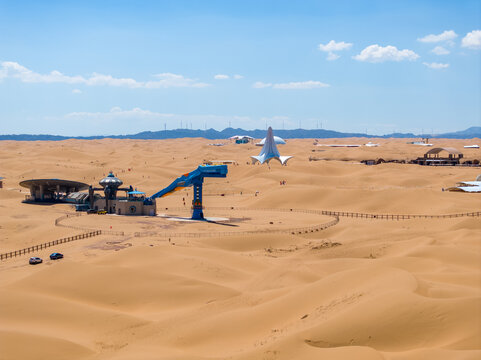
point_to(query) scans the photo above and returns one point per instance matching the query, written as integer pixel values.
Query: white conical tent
(269, 151)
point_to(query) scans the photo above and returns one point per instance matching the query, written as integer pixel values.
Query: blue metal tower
(195, 179)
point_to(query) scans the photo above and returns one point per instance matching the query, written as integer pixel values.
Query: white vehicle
(35, 260)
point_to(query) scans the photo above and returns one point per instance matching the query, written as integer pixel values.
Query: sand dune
(361, 289)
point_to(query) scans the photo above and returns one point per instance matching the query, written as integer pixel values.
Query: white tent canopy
(470, 183)
(469, 189)
(269, 151)
(277, 140)
(467, 186)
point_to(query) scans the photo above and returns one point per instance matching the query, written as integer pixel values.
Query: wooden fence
(397, 216)
(300, 230)
(346, 213)
(61, 218)
(48, 244)
(294, 231)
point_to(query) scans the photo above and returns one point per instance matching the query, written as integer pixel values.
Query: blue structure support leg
(197, 213)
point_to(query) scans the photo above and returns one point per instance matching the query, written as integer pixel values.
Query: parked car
(55, 256)
(35, 260)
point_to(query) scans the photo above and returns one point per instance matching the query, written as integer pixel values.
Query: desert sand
(361, 289)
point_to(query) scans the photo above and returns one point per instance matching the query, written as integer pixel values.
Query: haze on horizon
(117, 68)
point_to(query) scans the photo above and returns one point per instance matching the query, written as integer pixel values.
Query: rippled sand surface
(247, 288)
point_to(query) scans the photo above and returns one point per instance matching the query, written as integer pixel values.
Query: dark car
(35, 260)
(55, 256)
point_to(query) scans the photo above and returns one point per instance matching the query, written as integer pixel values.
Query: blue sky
(118, 67)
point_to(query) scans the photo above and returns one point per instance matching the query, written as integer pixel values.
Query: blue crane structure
(196, 179)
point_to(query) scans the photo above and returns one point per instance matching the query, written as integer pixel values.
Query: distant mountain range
(472, 132)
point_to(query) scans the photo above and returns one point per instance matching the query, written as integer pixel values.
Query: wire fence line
(49, 244)
(397, 216)
(292, 231)
(300, 230)
(58, 222)
(347, 213)
(66, 216)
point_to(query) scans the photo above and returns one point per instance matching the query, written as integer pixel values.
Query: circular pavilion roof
(277, 140)
(111, 180)
(450, 150)
(51, 184)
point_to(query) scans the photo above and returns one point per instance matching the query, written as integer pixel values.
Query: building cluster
(105, 198)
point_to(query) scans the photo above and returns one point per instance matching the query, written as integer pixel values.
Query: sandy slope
(362, 289)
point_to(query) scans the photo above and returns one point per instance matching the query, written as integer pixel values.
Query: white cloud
(472, 40)
(145, 120)
(119, 121)
(439, 50)
(333, 46)
(17, 71)
(76, 91)
(261, 85)
(436, 66)
(446, 35)
(275, 118)
(297, 85)
(331, 56)
(227, 77)
(165, 80)
(377, 54)
(301, 85)
(117, 113)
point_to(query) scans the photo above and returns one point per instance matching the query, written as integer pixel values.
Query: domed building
(110, 184)
(68, 191)
(132, 203)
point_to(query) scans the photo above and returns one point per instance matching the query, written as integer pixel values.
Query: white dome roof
(110, 180)
(277, 140)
